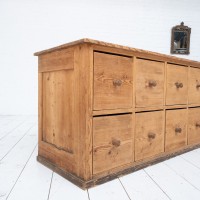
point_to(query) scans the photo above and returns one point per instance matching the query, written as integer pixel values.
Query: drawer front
(194, 86)
(149, 134)
(149, 83)
(193, 125)
(112, 142)
(113, 81)
(176, 129)
(176, 84)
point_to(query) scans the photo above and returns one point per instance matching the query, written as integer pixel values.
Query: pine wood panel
(177, 84)
(98, 45)
(194, 85)
(58, 126)
(56, 60)
(89, 92)
(112, 141)
(149, 83)
(84, 106)
(40, 107)
(193, 125)
(176, 129)
(113, 81)
(149, 134)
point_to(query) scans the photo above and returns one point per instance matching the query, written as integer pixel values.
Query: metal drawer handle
(117, 82)
(151, 135)
(179, 85)
(152, 83)
(178, 130)
(197, 124)
(116, 142)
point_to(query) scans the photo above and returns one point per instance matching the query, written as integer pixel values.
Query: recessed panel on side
(58, 109)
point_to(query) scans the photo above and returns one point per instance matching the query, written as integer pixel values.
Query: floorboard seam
(21, 172)
(156, 184)
(50, 185)
(181, 176)
(190, 162)
(17, 142)
(196, 152)
(88, 194)
(9, 132)
(6, 123)
(124, 188)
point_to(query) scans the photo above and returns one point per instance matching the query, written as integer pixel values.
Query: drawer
(149, 134)
(176, 129)
(193, 125)
(149, 83)
(194, 85)
(176, 84)
(112, 142)
(113, 81)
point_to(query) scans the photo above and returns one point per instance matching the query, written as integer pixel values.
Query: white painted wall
(27, 26)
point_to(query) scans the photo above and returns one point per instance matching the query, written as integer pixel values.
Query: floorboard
(63, 189)
(197, 151)
(22, 177)
(34, 182)
(171, 183)
(140, 186)
(7, 143)
(11, 125)
(192, 158)
(108, 191)
(13, 164)
(186, 170)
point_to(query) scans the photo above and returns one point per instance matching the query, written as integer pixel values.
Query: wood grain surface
(105, 109)
(149, 83)
(113, 81)
(176, 129)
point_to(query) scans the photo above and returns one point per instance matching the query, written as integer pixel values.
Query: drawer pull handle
(116, 142)
(179, 85)
(197, 124)
(117, 82)
(178, 130)
(151, 135)
(198, 86)
(152, 83)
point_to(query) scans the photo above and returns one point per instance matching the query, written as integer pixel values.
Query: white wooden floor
(23, 178)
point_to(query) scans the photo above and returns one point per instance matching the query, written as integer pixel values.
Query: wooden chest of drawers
(106, 110)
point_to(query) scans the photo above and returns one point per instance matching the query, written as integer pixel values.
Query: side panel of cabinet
(58, 109)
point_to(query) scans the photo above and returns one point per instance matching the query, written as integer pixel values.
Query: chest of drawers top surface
(141, 52)
(105, 109)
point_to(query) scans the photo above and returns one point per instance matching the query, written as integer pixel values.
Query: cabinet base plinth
(97, 181)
